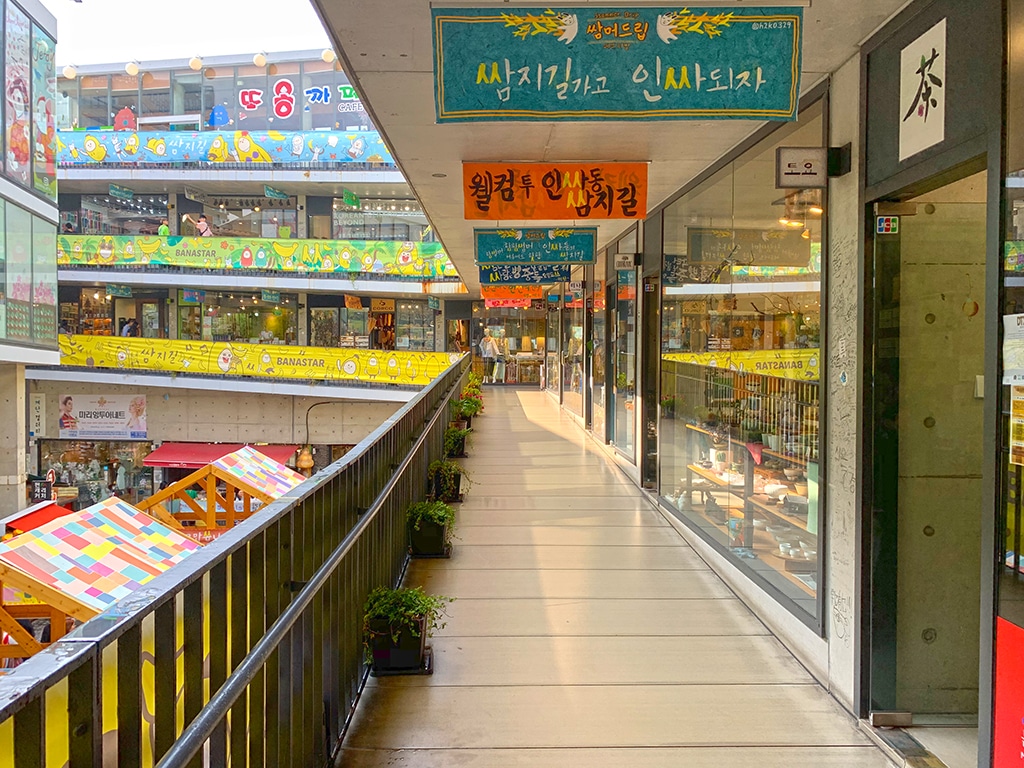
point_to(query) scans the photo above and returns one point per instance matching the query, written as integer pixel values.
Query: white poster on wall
(923, 92)
(37, 416)
(102, 417)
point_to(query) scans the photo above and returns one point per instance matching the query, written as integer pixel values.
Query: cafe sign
(511, 292)
(559, 191)
(616, 63)
(518, 246)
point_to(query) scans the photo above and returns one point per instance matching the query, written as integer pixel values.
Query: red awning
(35, 516)
(198, 455)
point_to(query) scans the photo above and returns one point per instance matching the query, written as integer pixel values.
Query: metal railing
(249, 652)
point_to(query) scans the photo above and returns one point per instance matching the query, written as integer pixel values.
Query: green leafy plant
(402, 610)
(455, 441)
(475, 380)
(442, 476)
(470, 406)
(436, 512)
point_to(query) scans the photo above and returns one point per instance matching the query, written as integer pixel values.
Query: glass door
(151, 315)
(624, 385)
(927, 410)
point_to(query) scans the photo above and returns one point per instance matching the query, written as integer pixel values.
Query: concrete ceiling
(390, 63)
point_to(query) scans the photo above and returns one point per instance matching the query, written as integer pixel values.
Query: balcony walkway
(587, 633)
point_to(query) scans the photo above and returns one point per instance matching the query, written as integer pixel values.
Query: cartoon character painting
(357, 148)
(219, 117)
(125, 120)
(45, 138)
(219, 151)
(247, 150)
(94, 149)
(18, 128)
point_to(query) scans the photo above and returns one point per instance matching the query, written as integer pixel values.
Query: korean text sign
(552, 246)
(523, 274)
(511, 291)
(616, 63)
(102, 417)
(558, 191)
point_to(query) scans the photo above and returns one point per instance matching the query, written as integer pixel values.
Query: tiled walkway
(587, 633)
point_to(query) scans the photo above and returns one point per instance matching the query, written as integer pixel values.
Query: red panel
(1009, 705)
(33, 517)
(198, 455)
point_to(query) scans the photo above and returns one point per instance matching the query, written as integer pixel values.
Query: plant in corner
(445, 478)
(455, 442)
(470, 407)
(396, 625)
(431, 525)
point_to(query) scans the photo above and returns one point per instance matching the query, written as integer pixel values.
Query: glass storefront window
(414, 326)
(624, 349)
(320, 96)
(124, 99)
(239, 317)
(219, 97)
(598, 363)
(323, 327)
(155, 101)
(93, 467)
(552, 340)
(94, 107)
(572, 343)
(234, 220)
(741, 350)
(284, 98)
(44, 282)
(400, 224)
(187, 94)
(101, 214)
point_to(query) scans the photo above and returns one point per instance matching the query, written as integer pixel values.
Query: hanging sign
(801, 168)
(351, 199)
(922, 112)
(121, 193)
(507, 303)
(191, 296)
(120, 291)
(516, 246)
(382, 305)
(524, 273)
(194, 194)
(434, 303)
(511, 291)
(353, 302)
(560, 191)
(271, 297)
(616, 63)
(274, 194)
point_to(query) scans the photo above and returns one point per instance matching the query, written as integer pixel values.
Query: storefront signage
(800, 364)
(377, 257)
(41, 491)
(274, 194)
(353, 302)
(1017, 425)
(1013, 349)
(524, 273)
(517, 246)
(271, 297)
(1009, 695)
(382, 305)
(191, 296)
(121, 193)
(507, 303)
(101, 417)
(434, 303)
(37, 415)
(351, 199)
(275, 361)
(760, 247)
(77, 147)
(558, 191)
(624, 261)
(120, 291)
(801, 168)
(511, 291)
(194, 194)
(922, 112)
(616, 63)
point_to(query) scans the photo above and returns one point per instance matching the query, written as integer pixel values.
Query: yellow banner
(799, 364)
(221, 358)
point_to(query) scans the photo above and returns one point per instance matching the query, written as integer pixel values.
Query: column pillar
(12, 438)
(301, 220)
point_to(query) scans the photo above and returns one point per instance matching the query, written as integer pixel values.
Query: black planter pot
(429, 540)
(469, 422)
(404, 656)
(459, 451)
(439, 494)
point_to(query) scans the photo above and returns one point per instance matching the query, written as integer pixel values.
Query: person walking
(489, 353)
(164, 229)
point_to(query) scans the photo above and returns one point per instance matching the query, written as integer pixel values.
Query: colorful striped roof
(259, 472)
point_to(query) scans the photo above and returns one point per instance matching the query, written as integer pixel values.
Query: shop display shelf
(764, 504)
(711, 477)
(784, 456)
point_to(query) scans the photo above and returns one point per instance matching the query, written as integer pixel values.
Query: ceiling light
(815, 210)
(96, 295)
(328, 55)
(260, 60)
(794, 224)
(70, 72)
(784, 221)
(439, 175)
(195, 63)
(132, 68)
(257, 209)
(806, 234)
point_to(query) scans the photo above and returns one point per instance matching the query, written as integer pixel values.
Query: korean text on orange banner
(559, 191)
(512, 291)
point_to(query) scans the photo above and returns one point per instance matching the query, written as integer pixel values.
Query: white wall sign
(801, 168)
(624, 261)
(37, 416)
(922, 111)
(102, 417)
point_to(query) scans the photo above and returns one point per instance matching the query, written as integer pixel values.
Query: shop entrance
(925, 398)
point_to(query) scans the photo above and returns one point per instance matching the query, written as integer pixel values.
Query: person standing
(489, 353)
(203, 227)
(164, 229)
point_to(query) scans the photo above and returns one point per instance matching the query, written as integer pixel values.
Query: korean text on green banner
(616, 63)
(523, 274)
(535, 245)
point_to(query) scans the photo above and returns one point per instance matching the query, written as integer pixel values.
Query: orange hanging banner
(559, 191)
(511, 292)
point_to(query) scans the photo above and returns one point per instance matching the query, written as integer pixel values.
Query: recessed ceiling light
(439, 175)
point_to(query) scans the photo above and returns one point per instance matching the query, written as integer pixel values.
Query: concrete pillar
(173, 219)
(302, 221)
(12, 438)
(303, 317)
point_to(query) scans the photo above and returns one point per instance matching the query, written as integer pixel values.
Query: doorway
(925, 397)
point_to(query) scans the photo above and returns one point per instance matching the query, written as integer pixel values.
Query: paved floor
(587, 633)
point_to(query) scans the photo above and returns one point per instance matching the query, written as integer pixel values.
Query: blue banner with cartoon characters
(616, 63)
(278, 147)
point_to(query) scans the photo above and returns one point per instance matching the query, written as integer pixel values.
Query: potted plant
(457, 419)
(468, 408)
(475, 381)
(445, 478)
(455, 442)
(668, 407)
(396, 625)
(431, 524)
